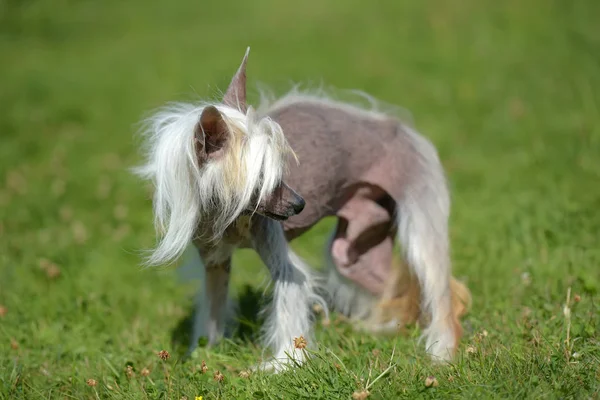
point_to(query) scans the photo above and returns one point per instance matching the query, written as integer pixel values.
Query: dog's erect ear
(211, 133)
(235, 96)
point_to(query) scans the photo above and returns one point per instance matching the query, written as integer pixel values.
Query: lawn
(509, 92)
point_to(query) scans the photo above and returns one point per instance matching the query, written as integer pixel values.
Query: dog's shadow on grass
(242, 327)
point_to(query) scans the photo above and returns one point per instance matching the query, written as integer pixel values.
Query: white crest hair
(212, 195)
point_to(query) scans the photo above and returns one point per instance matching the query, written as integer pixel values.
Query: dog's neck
(237, 235)
(239, 231)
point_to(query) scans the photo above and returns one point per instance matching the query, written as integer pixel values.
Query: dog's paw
(283, 361)
(442, 342)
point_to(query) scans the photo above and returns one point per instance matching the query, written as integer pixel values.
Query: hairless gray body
(352, 163)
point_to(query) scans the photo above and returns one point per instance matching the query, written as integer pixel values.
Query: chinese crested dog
(227, 176)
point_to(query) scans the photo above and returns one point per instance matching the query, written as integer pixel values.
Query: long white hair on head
(193, 199)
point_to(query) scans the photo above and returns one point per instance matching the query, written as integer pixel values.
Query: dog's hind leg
(424, 238)
(290, 314)
(359, 257)
(364, 282)
(366, 285)
(209, 317)
(423, 213)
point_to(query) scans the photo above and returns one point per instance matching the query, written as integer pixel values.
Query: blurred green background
(508, 91)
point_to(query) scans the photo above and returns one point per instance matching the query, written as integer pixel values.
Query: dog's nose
(299, 206)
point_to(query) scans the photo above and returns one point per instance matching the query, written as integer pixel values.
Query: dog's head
(248, 152)
(212, 163)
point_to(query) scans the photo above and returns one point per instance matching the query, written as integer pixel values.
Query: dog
(227, 176)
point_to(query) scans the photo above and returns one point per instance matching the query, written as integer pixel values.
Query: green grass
(509, 91)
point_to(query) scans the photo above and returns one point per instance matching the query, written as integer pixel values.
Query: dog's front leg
(289, 318)
(209, 318)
